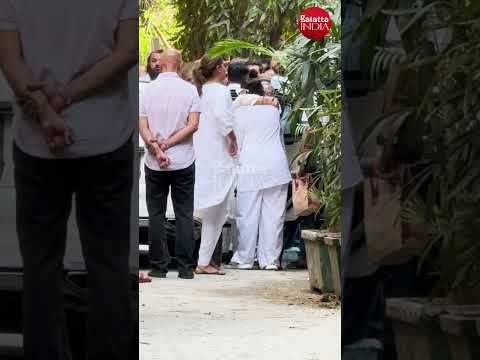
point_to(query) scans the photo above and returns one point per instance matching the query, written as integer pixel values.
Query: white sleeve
(245, 100)
(223, 111)
(142, 107)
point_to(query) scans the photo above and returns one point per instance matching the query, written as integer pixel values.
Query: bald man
(169, 115)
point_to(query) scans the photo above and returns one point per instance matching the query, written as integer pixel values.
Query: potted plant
(315, 92)
(323, 245)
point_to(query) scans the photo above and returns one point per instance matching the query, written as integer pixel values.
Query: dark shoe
(185, 274)
(157, 273)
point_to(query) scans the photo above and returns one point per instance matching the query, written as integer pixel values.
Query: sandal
(200, 271)
(212, 264)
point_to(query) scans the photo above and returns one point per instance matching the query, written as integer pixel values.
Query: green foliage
(313, 71)
(259, 27)
(236, 47)
(444, 123)
(264, 23)
(325, 154)
(157, 20)
(314, 89)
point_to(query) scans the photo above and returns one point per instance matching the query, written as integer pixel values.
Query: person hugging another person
(263, 180)
(215, 146)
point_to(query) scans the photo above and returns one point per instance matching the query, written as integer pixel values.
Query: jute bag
(302, 204)
(390, 241)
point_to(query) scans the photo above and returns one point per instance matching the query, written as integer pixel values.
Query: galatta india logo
(314, 23)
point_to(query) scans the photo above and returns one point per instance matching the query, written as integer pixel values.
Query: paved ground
(253, 315)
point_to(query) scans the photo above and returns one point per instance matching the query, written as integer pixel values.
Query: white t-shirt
(143, 82)
(263, 161)
(166, 103)
(60, 40)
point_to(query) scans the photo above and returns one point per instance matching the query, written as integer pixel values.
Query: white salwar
(260, 219)
(262, 186)
(215, 171)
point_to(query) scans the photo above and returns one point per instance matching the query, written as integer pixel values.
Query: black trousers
(44, 189)
(158, 184)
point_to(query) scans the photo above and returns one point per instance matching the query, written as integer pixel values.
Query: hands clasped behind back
(45, 103)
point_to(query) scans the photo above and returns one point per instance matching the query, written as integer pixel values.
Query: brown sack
(302, 204)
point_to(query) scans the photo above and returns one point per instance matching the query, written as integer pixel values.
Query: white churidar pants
(213, 219)
(260, 219)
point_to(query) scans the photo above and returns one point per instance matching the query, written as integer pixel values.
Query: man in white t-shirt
(169, 115)
(68, 63)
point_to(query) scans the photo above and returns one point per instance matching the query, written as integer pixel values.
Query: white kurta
(215, 171)
(262, 185)
(263, 161)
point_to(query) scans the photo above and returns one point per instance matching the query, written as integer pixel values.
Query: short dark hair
(237, 72)
(253, 74)
(255, 87)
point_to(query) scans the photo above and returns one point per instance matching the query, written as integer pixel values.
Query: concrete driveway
(255, 315)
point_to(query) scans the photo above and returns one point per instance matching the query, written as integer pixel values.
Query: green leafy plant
(257, 21)
(439, 117)
(313, 92)
(157, 21)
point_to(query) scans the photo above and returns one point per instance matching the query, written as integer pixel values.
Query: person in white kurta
(262, 186)
(214, 164)
(215, 145)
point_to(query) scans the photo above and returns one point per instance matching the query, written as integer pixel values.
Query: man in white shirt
(84, 92)
(169, 115)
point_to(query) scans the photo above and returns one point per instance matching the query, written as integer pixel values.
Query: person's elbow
(194, 122)
(194, 126)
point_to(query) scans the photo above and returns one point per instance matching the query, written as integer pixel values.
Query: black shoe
(185, 274)
(157, 273)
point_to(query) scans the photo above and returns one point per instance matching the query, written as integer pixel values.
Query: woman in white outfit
(262, 187)
(215, 145)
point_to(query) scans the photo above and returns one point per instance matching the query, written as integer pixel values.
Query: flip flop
(199, 271)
